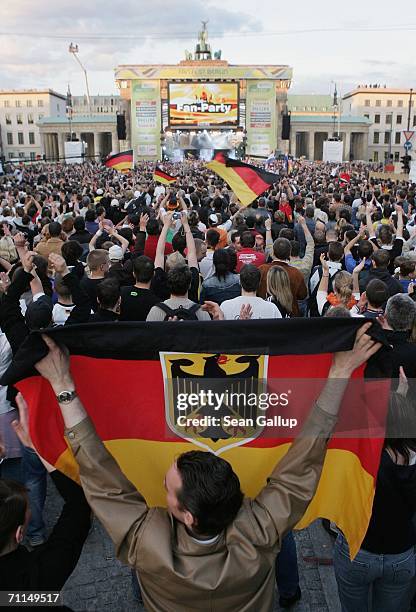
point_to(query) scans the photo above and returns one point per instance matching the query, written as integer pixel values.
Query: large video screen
(197, 105)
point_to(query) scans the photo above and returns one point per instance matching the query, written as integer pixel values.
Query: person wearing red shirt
(152, 229)
(248, 254)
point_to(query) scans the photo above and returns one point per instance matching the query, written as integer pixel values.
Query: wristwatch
(64, 397)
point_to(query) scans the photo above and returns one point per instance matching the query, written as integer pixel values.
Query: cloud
(34, 60)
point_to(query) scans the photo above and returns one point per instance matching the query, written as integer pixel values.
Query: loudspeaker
(121, 127)
(285, 127)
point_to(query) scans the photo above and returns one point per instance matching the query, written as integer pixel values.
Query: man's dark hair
(221, 261)
(281, 249)
(247, 240)
(54, 229)
(71, 252)
(143, 269)
(365, 249)
(90, 215)
(287, 233)
(294, 248)
(210, 491)
(377, 292)
(251, 221)
(335, 251)
(13, 506)
(108, 293)
(152, 227)
(179, 280)
(79, 224)
(212, 238)
(381, 258)
(385, 234)
(179, 242)
(250, 277)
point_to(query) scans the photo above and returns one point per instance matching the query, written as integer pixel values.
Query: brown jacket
(236, 572)
(52, 245)
(297, 283)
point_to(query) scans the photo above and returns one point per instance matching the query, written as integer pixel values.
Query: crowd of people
(84, 243)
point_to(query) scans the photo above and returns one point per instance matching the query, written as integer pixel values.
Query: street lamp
(74, 49)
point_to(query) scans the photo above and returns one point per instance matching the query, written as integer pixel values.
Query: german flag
(121, 161)
(162, 177)
(247, 181)
(134, 414)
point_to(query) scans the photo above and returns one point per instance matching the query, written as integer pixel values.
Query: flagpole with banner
(123, 161)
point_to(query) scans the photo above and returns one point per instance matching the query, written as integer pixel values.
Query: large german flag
(163, 177)
(247, 181)
(121, 161)
(123, 373)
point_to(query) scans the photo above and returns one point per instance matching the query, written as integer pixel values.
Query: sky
(359, 41)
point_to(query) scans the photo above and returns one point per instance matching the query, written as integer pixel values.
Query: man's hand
(58, 263)
(144, 218)
(246, 312)
(55, 367)
(19, 240)
(27, 261)
(324, 264)
(359, 267)
(213, 309)
(345, 362)
(268, 224)
(167, 219)
(21, 427)
(184, 220)
(4, 282)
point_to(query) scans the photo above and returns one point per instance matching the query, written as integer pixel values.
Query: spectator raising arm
(190, 242)
(160, 249)
(123, 241)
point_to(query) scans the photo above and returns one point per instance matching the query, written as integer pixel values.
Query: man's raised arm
(113, 498)
(293, 482)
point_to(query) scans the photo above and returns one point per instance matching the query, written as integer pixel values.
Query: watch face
(65, 396)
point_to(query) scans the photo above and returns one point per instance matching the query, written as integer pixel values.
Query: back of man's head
(365, 249)
(54, 229)
(385, 234)
(319, 237)
(79, 224)
(179, 280)
(143, 268)
(281, 249)
(287, 233)
(335, 251)
(13, 509)
(250, 277)
(247, 240)
(212, 238)
(61, 289)
(377, 293)
(152, 227)
(210, 491)
(381, 258)
(96, 259)
(400, 312)
(310, 211)
(108, 293)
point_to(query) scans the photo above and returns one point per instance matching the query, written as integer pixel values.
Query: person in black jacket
(386, 561)
(379, 270)
(48, 566)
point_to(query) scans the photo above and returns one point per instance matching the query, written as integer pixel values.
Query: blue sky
(323, 41)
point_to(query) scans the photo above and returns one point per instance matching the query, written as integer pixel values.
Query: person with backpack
(178, 306)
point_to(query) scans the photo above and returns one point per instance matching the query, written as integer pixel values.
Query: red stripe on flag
(251, 179)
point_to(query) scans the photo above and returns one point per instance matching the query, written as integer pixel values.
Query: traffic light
(406, 163)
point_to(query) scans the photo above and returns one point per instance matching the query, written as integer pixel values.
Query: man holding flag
(211, 547)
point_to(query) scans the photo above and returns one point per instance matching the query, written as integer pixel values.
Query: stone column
(42, 143)
(347, 145)
(311, 146)
(97, 145)
(292, 141)
(115, 143)
(61, 147)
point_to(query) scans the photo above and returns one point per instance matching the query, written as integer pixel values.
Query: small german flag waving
(162, 177)
(247, 181)
(121, 161)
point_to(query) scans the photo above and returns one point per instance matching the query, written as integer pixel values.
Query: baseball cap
(39, 313)
(100, 192)
(213, 219)
(114, 202)
(137, 194)
(116, 253)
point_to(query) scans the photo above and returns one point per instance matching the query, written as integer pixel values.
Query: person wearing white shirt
(250, 280)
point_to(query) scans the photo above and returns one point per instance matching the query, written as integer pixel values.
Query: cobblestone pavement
(101, 583)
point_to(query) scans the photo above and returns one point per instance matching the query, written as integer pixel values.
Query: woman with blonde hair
(346, 291)
(278, 288)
